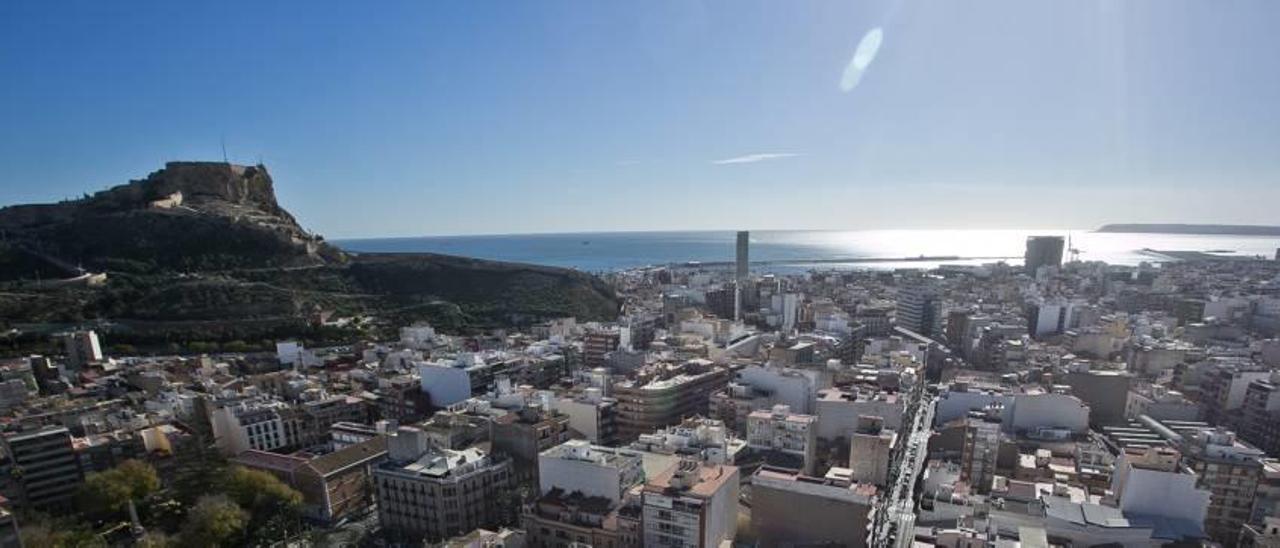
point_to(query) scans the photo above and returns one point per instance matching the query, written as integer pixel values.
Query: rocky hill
(202, 251)
(189, 216)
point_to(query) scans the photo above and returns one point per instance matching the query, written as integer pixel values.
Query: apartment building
(791, 509)
(564, 520)
(979, 452)
(591, 414)
(664, 395)
(587, 496)
(595, 471)
(1223, 387)
(45, 465)
(525, 433)
(870, 450)
(1260, 423)
(433, 494)
(258, 425)
(691, 505)
(782, 433)
(1231, 471)
(597, 343)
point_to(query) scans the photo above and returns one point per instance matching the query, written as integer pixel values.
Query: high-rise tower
(741, 274)
(743, 244)
(1043, 251)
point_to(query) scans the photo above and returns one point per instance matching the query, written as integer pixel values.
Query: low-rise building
(334, 485)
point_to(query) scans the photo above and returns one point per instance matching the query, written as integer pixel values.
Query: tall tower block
(743, 243)
(742, 273)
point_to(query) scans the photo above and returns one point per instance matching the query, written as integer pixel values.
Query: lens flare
(862, 58)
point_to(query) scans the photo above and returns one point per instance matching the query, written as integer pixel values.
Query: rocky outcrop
(200, 184)
(187, 216)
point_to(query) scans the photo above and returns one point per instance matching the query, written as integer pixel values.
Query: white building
(707, 440)
(293, 354)
(794, 388)
(417, 336)
(1030, 412)
(593, 470)
(444, 383)
(252, 425)
(1039, 411)
(1050, 317)
(289, 352)
(918, 307)
(591, 414)
(786, 309)
(1146, 481)
(82, 347)
(838, 411)
(782, 431)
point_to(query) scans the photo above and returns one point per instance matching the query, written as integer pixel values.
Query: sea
(799, 250)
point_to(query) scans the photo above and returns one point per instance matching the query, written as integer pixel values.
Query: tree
(102, 495)
(256, 490)
(214, 521)
(237, 347)
(40, 531)
(109, 492)
(124, 349)
(139, 477)
(156, 539)
(275, 507)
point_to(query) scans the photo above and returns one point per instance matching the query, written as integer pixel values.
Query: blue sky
(421, 118)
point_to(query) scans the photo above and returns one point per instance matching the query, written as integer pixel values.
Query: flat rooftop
(439, 463)
(710, 477)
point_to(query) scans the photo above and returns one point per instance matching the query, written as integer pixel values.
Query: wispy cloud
(625, 163)
(753, 158)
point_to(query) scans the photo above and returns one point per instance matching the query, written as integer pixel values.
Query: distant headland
(1239, 230)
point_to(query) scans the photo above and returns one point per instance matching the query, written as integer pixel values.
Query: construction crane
(1072, 252)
